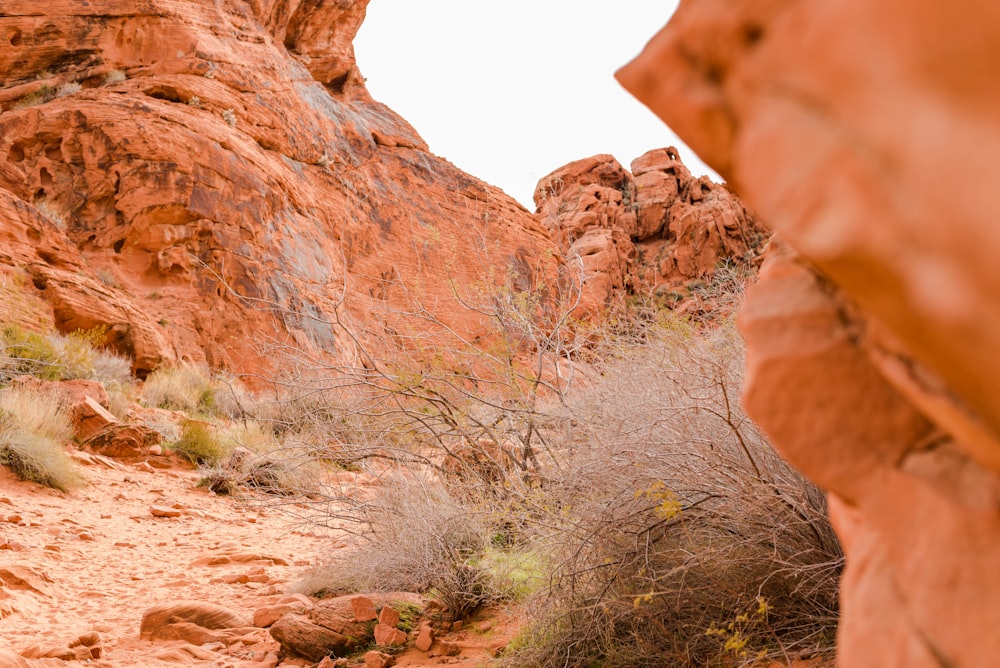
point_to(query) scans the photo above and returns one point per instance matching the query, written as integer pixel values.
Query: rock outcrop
(656, 229)
(865, 133)
(206, 178)
(341, 625)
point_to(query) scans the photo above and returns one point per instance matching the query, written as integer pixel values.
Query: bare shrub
(682, 538)
(259, 461)
(33, 428)
(416, 536)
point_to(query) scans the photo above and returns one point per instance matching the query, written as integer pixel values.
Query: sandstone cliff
(865, 133)
(656, 229)
(203, 178)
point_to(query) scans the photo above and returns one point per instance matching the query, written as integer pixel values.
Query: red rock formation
(656, 228)
(865, 132)
(204, 177)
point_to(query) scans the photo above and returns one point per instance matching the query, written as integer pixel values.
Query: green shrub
(27, 352)
(33, 428)
(200, 444)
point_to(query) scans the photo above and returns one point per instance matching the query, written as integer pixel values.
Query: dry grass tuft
(183, 388)
(200, 443)
(33, 428)
(419, 537)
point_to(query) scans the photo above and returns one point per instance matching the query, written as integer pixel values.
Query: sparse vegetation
(229, 116)
(184, 388)
(653, 522)
(52, 213)
(114, 76)
(422, 538)
(107, 278)
(70, 88)
(200, 443)
(44, 94)
(33, 428)
(60, 357)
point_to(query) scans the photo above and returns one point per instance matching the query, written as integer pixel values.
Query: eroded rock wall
(203, 178)
(653, 230)
(865, 133)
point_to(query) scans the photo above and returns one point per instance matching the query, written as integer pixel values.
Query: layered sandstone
(865, 133)
(205, 179)
(654, 229)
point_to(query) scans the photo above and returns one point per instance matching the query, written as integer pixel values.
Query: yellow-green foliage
(32, 430)
(183, 388)
(59, 357)
(200, 443)
(28, 352)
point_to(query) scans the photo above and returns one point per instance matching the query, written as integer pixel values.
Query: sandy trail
(109, 559)
(98, 558)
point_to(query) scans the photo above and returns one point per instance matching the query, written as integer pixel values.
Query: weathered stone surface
(26, 578)
(388, 615)
(268, 615)
(363, 609)
(196, 622)
(865, 133)
(89, 417)
(657, 230)
(122, 441)
(425, 638)
(375, 659)
(388, 635)
(333, 627)
(300, 636)
(221, 177)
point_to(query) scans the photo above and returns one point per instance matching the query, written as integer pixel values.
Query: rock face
(865, 133)
(339, 626)
(202, 178)
(654, 229)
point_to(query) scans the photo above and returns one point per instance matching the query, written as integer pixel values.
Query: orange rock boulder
(866, 133)
(655, 228)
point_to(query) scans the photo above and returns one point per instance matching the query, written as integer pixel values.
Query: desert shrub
(200, 443)
(27, 352)
(184, 388)
(33, 428)
(416, 536)
(60, 357)
(681, 538)
(257, 460)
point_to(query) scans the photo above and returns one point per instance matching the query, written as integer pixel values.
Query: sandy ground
(98, 558)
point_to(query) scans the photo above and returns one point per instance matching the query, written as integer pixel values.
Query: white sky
(509, 91)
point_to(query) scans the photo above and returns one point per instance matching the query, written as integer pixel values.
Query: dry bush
(682, 538)
(185, 388)
(56, 356)
(416, 536)
(258, 460)
(33, 429)
(24, 352)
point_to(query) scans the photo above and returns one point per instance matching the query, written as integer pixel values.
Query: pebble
(164, 511)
